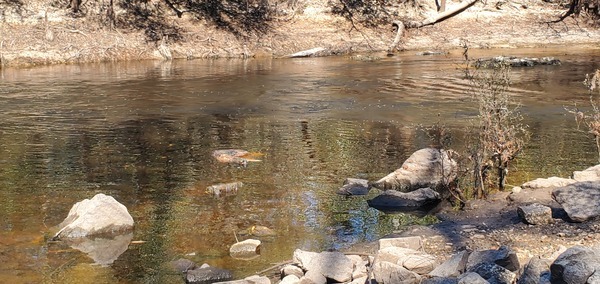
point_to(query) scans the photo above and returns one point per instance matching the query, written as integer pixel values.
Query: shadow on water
(144, 133)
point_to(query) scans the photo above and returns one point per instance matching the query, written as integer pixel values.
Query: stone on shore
(101, 215)
(503, 256)
(453, 267)
(581, 200)
(413, 242)
(535, 214)
(575, 265)
(494, 274)
(535, 270)
(589, 174)
(333, 265)
(547, 182)
(391, 273)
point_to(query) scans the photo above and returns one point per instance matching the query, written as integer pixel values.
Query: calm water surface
(143, 133)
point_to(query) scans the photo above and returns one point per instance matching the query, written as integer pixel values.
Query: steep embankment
(39, 32)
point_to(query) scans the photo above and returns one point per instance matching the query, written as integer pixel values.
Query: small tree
(501, 133)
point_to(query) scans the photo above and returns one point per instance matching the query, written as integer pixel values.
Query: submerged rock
(429, 167)
(354, 186)
(224, 188)
(246, 249)
(234, 156)
(515, 61)
(101, 215)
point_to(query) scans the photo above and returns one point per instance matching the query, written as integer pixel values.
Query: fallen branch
(443, 16)
(430, 21)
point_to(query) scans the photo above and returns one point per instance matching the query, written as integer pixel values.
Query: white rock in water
(101, 215)
(245, 249)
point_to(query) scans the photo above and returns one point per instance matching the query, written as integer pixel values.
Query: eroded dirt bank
(45, 33)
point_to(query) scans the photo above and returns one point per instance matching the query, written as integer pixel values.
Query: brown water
(143, 133)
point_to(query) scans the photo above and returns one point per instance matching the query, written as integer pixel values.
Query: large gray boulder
(391, 200)
(429, 167)
(581, 200)
(575, 265)
(101, 215)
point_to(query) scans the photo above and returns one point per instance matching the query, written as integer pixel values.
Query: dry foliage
(500, 134)
(590, 119)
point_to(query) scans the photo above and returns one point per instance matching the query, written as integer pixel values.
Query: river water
(143, 132)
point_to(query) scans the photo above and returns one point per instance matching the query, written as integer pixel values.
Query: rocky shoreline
(532, 234)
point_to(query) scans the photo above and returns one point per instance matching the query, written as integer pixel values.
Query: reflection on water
(144, 132)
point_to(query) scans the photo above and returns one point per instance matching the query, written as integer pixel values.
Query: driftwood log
(443, 15)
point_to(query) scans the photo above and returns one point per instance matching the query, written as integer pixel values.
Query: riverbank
(40, 34)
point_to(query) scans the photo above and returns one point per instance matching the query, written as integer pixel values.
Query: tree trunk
(502, 171)
(75, 5)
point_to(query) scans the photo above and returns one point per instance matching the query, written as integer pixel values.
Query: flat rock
(208, 275)
(548, 182)
(581, 200)
(471, 278)
(332, 265)
(589, 174)
(386, 272)
(412, 242)
(391, 200)
(453, 267)
(245, 249)
(254, 279)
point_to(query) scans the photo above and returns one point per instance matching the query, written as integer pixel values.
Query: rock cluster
(402, 261)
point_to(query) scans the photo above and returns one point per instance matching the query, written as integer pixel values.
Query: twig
(275, 266)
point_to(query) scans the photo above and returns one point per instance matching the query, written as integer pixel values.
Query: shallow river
(143, 132)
